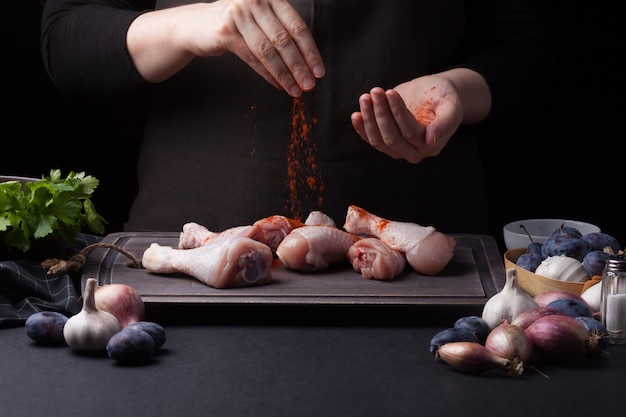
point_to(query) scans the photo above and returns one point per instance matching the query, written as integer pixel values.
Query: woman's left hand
(413, 121)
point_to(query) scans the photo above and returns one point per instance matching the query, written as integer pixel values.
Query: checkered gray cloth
(25, 288)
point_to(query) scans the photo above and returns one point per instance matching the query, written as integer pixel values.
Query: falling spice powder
(304, 177)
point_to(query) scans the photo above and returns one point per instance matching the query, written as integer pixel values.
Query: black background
(566, 163)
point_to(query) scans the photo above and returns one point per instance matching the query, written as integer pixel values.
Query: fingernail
(318, 71)
(308, 84)
(295, 91)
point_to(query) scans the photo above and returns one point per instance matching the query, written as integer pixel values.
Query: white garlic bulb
(563, 268)
(593, 296)
(90, 329)
(511, 301)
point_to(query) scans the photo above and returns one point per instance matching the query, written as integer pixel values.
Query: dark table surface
(295, 365)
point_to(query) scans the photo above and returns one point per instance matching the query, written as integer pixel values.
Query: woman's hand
(416, 119)
(268, 35)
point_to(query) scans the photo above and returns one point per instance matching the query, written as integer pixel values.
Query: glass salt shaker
(613, 302)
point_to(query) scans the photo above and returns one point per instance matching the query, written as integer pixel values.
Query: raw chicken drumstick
(194, 234)
(312, 248)
(318, 218)
(273, 229)
(374, 259)
(427, 250)
(229, 262)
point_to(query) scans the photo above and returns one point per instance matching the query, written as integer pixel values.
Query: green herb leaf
(53, 206)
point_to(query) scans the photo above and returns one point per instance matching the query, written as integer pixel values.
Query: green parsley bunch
(51, 207)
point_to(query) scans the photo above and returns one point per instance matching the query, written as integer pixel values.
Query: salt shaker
(613, 302)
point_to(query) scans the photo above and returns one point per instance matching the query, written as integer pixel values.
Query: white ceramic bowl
(539, 230)
(23, 180)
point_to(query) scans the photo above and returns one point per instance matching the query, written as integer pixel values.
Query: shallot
(509, 341)
(545, 298)
(529, 316)
(122, 301)
(595, 327)
(561, 337)
(472, 357)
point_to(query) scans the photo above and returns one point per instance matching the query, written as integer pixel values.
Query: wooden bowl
(535, 284)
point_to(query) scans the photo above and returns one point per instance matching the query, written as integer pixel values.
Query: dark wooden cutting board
(474, 274)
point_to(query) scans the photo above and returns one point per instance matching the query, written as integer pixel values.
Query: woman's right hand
(269, 35)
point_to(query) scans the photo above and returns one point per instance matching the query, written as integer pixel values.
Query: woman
(262, 107)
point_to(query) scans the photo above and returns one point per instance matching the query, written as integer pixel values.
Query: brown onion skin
(471, 357)
(526, 318)
(509, 341)
(560, 338)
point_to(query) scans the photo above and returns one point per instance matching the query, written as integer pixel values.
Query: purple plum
(567, 230)
(534, 247)
(571, 307)
(529, 261)
(131, 346)
(600, 240)
(567, 244)
(452, 334)
(153, 329)
(46, 327)
(476, 325)
(594, 262)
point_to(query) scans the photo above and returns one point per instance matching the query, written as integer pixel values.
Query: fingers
(303, 39)
(282, 48)
(408, 127)
(387, 125)
(243, 52)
